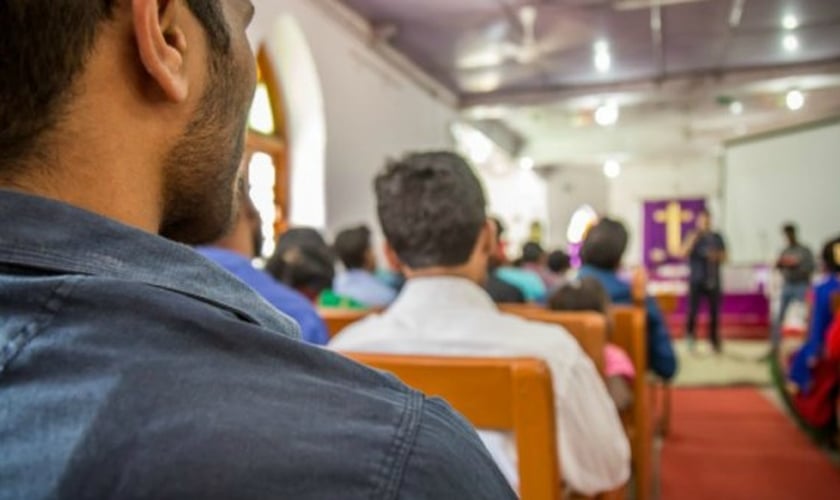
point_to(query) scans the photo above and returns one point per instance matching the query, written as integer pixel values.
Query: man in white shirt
(432, 210)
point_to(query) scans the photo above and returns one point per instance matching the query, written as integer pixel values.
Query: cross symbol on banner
(673, 216)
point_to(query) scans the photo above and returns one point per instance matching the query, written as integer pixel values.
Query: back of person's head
(353, 247)
(532, 253)
(432, 209)
(585, 294)
(605, 245)
(559, 262)
(831, 255)
(303, 260)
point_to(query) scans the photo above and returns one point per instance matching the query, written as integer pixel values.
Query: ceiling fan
(647, 4)
(528, 49)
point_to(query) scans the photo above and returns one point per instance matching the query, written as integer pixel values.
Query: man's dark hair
(831, 255)
(559, 262)
(532, 253)
(303, 260)
(352, 246)
(586, 294)
(45, 45)
(789, 228)
(605, 244)
(500, 227)
(432, 208)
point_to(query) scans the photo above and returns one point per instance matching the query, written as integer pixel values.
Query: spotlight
(603, 58)
(607, 114)
(603, 62)
(526, 163)
(736, 107)
(790, 22)
(795, 100)
(612, 169)
(790, 43)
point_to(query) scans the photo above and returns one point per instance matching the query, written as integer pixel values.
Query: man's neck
(95, 190)
(477, 276)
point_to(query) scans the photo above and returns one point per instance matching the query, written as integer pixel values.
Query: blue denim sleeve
(448, 460)
(661, 357)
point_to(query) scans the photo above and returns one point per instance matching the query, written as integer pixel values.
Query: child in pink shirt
(588, 294)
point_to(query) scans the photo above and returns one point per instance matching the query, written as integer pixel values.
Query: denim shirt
(284, 298)
(132, 368)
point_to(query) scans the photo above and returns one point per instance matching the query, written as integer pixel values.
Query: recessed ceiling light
(612, 169)
(603, 62)
(607, 114)
(790, 43)
(526, 163)
(795, 100)
(736, 107)
(603, 58)
(790, 22)
(601, 46)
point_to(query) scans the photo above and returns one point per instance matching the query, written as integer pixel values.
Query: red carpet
(732, 444)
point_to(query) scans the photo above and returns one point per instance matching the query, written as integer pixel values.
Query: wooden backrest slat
(512, 394)
(588, 328)
(339, 319)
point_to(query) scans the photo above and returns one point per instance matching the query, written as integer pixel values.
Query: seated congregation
(146, 352)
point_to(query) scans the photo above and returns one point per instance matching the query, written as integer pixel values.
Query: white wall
(794, 176)
(518, 198)
(637, 184)
(569, 189)
(373, 111)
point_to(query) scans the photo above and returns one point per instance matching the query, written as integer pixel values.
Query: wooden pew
(339, 319)
(630, 333)
(588, 328)
(508, 394)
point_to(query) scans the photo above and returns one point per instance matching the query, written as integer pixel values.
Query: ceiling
(674, 67)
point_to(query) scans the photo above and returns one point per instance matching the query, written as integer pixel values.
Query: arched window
(267, 154)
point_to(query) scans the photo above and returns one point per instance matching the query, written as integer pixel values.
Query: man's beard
(201, 170)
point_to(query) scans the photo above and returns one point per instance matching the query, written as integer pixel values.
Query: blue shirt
(528, 282)
(312, 326)
(133, 368)
(364, 287)
(661, 357)
(814, 347)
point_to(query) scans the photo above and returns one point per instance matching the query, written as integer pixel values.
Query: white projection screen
(787, 176)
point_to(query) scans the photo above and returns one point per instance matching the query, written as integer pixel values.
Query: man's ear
(391, 257)
(162, 44)
(490, 239)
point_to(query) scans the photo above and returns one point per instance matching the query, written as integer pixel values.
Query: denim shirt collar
(46, 234)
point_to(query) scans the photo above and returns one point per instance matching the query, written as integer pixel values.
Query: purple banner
(666, 224)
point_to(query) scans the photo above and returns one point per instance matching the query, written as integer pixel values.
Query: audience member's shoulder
(307, 424)
(367, 329)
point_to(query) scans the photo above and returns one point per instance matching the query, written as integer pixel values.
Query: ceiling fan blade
(648, 4)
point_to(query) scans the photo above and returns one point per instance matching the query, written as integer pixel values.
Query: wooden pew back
(630, 333)
(339, 319)
(513, 394)
(588, 328)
